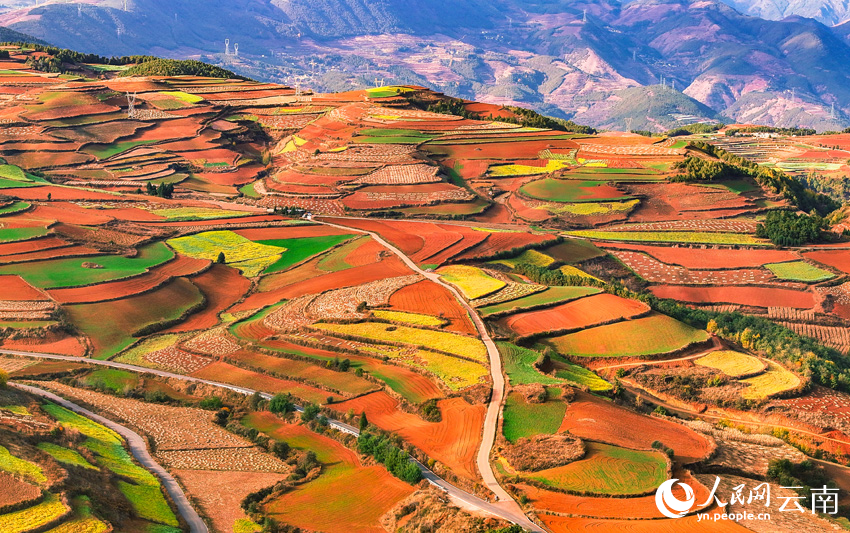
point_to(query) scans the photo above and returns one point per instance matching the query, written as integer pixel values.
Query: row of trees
(795, 131)
(784, 228)
(387, 453)
(695, 169)
(163, 190)
(179, 67)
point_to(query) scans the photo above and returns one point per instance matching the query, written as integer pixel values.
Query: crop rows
(718, 225)
(176, 360)
(789, 314)
(402, 175)
(456, 194)
(512, 291)
(655, 271)
(638, 149)
(343, 303)
(232, 459)
(836, 337)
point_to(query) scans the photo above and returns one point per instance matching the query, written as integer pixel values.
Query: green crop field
(57, 273)
(499, 171)
(608, 470)
(33, 518)
(105, 151)
(695, 237)
(14, 207)
(297, 250)
(574, 191)
(733, 364)
(176, 214)
(550, 296)
(65, 455)
(335, 260)
(573, 251)
(184, 97)
(519, 365)
(582, 377)
(523, 419)
(799, 271)
(111, 378)
(655, 334)
(736, 186)
(250, 257)
(20, 467)
(531, 257)
(21, 234)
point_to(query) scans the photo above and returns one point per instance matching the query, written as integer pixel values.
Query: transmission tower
(227, 47)
(125, 5)
(79, 10)
(629, 121)
(131, 105)
(236, 49)
(584, 17)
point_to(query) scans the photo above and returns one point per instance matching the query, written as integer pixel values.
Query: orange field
(453, 441)
(428, 298)
(754, 296)
(709, 258)
(228, 373)
(14, 288)
(289, 232)
(223, 286)
(839, 259)
(590, 417)
(578, 314)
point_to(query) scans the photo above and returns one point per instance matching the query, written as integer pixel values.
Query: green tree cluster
(163, 190)
(784, 228)
(394, 458)
(696, 169)
(179, 67)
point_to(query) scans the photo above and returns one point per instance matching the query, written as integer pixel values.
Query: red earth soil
(497, 150)
(14, 288)
(428, 298)
(562, 524)
(436, 242)
(297, 274)
(592, 418)
(578, 314)
(33, 160)
(227, 373)
(839, 259)
(503, 241)
(61, 346)
(453, 441)
(519, 206)
(471, 239)
(69, 214)
(223, 286)
(389, 267)
(404, 241)
(600, 507)
(32, 245)
(240, 176)
(179, 266)
(289, 232)
(57, 193)
(708, 259)
(67, 251)
(753, 296)
(224, 221)
(133, 214)
(495, 214)
(601, 192)
(367, 253)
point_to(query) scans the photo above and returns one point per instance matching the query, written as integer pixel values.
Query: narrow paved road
(139, 449)
(494, 408)
(469, 500)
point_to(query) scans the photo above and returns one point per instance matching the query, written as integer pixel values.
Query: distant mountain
(645, 64)
(829, 12)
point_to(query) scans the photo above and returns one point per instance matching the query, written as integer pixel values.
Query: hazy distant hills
(829, 12)
(645, 64)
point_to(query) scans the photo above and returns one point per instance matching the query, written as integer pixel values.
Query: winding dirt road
(494, 408)
(139, 449)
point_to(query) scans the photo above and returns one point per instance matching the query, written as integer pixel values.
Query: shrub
(310, 412)
(281, 404)
(394, 458)
(4, 378)
(211, 403)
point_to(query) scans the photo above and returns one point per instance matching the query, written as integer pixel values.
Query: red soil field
(436, 242)
(58, 193)
(14, 288)
(133, 214)
(32, 245)
(525, 211)
(600, 507)
(453, 441)
(428, 298)
(240, 176)
(384, 196)
(387, 268)
(839, 259)
(223, 286)
(601, 192)
(708, 259)
(179, 266)
(300, 273)
(578, 314)
(69, 214)
(592, 418)
(471, 238)
(227, 373)
(67, 251)
(561, 524)
(496, 214)
(406, 242)
(32, 160)
(62, 346)
(219, 494)
(366, 253)
(753, 296)
(222, 221)
(497, 150)
(503, 241)
(178, 128)
(15, 492)
(289, 232)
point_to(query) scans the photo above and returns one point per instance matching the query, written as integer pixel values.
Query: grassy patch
(198, 213)
(531, 257)
(519, 365)
(111, 378)
(523, 419)
(799, 271)
(608, 470)
(14, 207)
(572, 191)
(655, 334)
(105, 151)
(65, 455)
(20, 467)
(21, 234)
(499, 171)
(297, 250)
(552, 295)
(35, 517)
(249, 257)
(57, 273)
(582, 377)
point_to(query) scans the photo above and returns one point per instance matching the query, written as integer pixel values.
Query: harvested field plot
(733, 364)
(685, 237)
(593, 418)
(838, 259)
(227, 373)
(559, 190)
(754, 296)
(776, 380)
(709, 258)
(655, 334)
(428, 298)
(531, 257)
(657, 272)
(579, 314)
(15, 289)
(512, 291)
(608, 470)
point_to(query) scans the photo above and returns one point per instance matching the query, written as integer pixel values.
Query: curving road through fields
(494, 408)
(139, 449)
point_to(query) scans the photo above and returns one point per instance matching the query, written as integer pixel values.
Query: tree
(281, 404)
(364, 423)
(220, 259)
(310, 412)
(4, 378)
(211, 403)
(255, 400)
